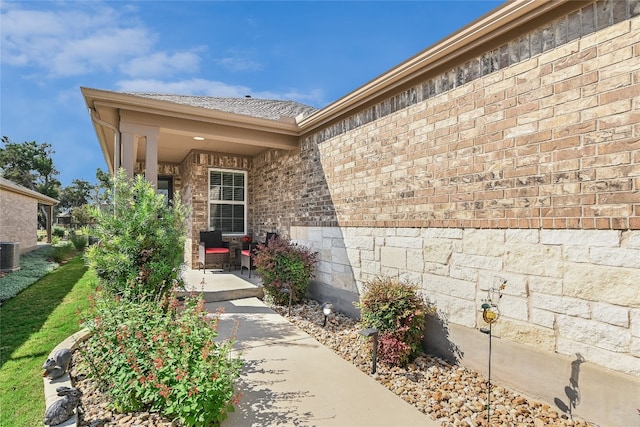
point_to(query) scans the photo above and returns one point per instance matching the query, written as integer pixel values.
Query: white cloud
(315, 97)
(61, 42)
(238, 61)
(184, 87)
(162, 63)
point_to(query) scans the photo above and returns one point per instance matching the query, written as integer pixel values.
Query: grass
(31, 325)
(33, 266)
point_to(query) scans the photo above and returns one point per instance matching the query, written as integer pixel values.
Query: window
(227, 201)
(165, 187)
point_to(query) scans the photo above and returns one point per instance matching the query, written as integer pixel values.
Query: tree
(103, 188)
(75, 195)
(82, 215)
(30, 164)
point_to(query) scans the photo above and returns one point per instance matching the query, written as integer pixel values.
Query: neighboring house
(509, 150)
(19, 214)
(64, 219)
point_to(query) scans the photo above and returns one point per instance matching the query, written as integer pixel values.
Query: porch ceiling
(223, 132)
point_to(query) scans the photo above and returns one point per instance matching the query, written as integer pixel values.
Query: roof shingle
(261, 108)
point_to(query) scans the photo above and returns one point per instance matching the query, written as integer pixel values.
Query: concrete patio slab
(221, 286)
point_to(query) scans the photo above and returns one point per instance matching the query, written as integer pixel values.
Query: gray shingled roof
(260, 108)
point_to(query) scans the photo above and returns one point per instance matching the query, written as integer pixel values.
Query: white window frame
(227, 202)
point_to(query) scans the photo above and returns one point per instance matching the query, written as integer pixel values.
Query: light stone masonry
(612, 314)
(549, 302)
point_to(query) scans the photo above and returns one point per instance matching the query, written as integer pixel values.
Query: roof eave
(103, 98)
(487, 27)
(19, 189)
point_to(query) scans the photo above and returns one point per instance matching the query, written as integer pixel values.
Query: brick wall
(289, 188)
(527, 170)
(18, 219)
(195, 190)
(551, 142)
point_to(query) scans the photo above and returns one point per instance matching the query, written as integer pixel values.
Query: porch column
(151, 158)
(129, 152)
(131, 132)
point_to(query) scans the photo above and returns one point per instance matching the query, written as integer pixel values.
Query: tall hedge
(141, 239)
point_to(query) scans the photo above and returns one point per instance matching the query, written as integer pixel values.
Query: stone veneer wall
(568, 291)
(19, 220)
(570, 308)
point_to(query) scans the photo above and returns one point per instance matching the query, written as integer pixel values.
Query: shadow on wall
(436, 340)
(572, 391)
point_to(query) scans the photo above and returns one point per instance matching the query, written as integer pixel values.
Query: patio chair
(213, 251)
(246, 255)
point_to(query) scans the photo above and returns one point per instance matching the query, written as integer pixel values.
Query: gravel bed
(450, 394)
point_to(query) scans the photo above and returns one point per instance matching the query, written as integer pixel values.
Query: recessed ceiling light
(198, 138)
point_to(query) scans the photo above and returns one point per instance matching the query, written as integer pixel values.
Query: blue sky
(313, 52)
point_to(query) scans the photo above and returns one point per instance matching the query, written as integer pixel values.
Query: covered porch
(208, 151)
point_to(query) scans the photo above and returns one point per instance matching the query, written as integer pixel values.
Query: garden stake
(490, 314)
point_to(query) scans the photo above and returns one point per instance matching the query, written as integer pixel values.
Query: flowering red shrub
(399, 313)
(393, 350)
(162, 357)
(283, 264)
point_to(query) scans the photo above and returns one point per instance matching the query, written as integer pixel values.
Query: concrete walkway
(289, 379)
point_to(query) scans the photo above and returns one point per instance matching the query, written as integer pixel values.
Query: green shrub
(33, 266)
(152, 356)
(141, 242)
(398, 311)
(285, 265)
(62, 251)
(79, 241)
(58, 232)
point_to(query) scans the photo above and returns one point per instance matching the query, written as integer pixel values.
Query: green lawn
(31, 325)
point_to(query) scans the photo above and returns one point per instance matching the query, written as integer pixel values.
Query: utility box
(9, 256)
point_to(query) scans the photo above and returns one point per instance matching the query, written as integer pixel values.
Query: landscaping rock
(450, 394)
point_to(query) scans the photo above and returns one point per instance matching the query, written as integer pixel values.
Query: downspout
(116, 148)
(116, 139)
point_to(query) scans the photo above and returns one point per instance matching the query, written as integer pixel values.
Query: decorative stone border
(50, 386)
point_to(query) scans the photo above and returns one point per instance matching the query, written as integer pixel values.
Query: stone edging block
(50, 386)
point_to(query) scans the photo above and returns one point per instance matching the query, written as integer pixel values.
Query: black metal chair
(246, 255)
(212, 250)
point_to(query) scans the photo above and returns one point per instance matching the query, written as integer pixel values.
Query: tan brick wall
(550, 142)
(529, 173)
(289, 188)
(194, 194)
(541, 144)
(18, 219)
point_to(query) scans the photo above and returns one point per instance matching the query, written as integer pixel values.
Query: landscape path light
(327, 308)
(288, 291)
(372, 332)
